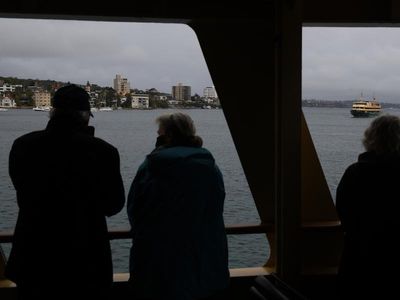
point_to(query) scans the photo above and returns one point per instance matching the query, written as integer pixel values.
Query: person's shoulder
(204, 152)
(98, 142)
(354, 166)
(356, 172)
(184, 152)
(179, 156)
(353, 169)
(198, 155)
(30, 137)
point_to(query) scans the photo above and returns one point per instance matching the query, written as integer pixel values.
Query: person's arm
(14, 167)
(345, 197)
(116, 193)
(136, 194)
(221, 184)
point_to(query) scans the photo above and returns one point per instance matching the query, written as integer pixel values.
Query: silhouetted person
(67, 182)
(175, 206)
(368, 204)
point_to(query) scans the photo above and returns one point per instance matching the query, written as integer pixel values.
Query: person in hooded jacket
(368, 203)
(67, 183)
(175, 207)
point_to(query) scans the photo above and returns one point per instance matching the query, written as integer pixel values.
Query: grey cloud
(149, 55)
(340, 63)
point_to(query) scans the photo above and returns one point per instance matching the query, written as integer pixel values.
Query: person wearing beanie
(67, 182)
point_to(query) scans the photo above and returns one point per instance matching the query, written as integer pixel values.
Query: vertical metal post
(288, 139)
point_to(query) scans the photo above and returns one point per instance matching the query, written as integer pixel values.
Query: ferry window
(341, 66)
(144, 61)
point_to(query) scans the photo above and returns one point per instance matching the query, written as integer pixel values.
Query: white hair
(383, 135)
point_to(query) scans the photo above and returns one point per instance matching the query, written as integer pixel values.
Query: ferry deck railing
(240, 276)
(6, 236)
(124, 233)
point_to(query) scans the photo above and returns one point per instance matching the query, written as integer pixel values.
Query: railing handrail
(124, 233)
(6, 236)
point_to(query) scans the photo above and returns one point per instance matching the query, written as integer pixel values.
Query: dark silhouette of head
(71, 102)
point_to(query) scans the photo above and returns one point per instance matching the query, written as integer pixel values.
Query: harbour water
(337, 137)
(336, 134)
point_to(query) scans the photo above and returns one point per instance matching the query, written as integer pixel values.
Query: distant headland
(340, 103)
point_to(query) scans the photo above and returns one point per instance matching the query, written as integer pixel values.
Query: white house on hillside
(7, 102)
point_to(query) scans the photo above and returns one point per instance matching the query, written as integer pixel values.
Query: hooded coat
(67, 182)
(175, 207)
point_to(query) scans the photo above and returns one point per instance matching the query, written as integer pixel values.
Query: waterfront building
(140, 101)
(94, 96)
(5, 87)
(42, 98)
(162, 97)
(210, 93)
(7, 102)
(121, 85)
(181, 92)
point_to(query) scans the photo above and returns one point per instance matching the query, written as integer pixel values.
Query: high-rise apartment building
(209, 92)
(121, 85)
(181, 92)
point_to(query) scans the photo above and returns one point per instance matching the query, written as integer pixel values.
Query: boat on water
(3, 109)
(365, 108)
(42, 108)
(105, 109)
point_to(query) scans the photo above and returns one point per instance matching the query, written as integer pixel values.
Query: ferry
(297, 213)
(364, 108)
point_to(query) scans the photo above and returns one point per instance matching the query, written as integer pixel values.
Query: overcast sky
(149, 55)
(342, 63)
(338, 63)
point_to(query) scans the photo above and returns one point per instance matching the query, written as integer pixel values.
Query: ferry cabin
(261, 40)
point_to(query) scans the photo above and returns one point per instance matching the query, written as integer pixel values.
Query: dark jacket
(175, 207)
(67, 182)
(368, 205)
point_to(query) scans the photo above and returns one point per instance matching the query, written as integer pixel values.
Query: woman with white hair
(175, 207)
(368, 203)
